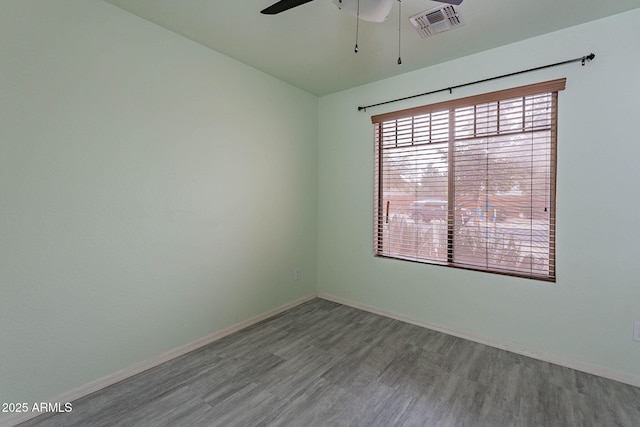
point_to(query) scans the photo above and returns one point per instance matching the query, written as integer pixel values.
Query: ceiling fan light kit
(370, 10)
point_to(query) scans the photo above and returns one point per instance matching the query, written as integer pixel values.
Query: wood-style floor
(325, 364)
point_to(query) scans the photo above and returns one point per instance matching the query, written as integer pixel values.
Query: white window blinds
(471, 183)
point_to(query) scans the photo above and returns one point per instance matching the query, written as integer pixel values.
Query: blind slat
(534, 89)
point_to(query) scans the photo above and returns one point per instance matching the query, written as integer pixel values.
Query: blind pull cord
(399, 28)
(357, 26)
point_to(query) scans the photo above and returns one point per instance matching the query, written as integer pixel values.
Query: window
(470, 183)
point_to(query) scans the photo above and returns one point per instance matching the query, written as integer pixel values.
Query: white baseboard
(116, 377)
(514, 348)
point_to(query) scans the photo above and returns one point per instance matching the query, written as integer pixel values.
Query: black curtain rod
(582, 59)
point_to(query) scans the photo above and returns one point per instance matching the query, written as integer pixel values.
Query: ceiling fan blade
(283, 5)
(456, 2)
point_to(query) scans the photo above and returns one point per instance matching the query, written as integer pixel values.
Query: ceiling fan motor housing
(370, 10)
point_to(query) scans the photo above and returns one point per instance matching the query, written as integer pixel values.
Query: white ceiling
(311, 46)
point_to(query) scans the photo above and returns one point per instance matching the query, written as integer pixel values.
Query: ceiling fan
(367, 10)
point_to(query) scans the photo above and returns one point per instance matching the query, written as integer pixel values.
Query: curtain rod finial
(588, 58)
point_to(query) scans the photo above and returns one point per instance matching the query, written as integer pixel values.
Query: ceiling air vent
(437, 20)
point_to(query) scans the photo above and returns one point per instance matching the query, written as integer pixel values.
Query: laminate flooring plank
(249, 406)
(323, 404)
(325, 364)
(413, 371)
(216, 391)
(248, 342)
(378, 357)
(426, 411)
(350, 375)
(499, 368)
(384, 344)
(573, 403)
(295, 375)
(181, 406)
(378, 405)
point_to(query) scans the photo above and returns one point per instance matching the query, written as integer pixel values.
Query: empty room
(319, 213)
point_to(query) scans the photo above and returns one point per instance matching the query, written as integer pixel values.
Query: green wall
(587, 316)
(152, 192)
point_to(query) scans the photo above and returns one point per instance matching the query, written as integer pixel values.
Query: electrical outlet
(297, 274)
(636, 331)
